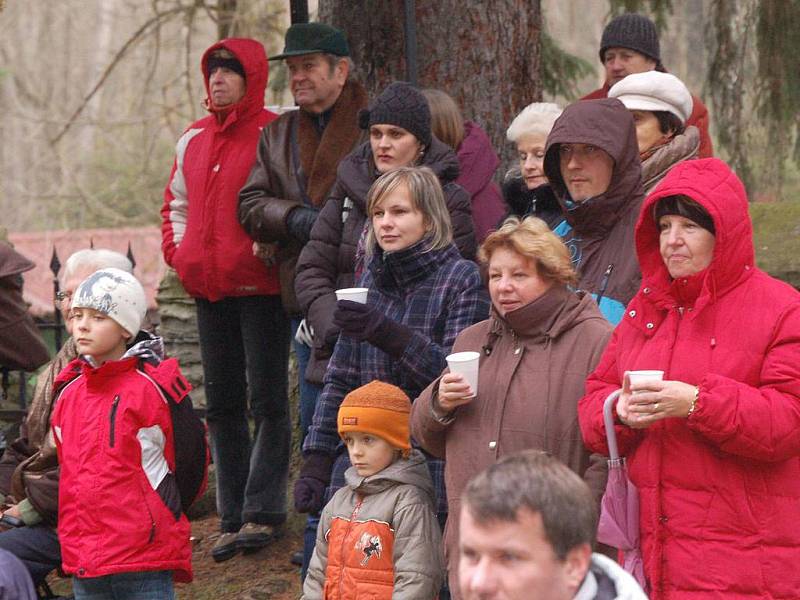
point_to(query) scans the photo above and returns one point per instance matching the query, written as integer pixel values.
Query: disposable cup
(642, 376)
(466, 363)
(353, 294)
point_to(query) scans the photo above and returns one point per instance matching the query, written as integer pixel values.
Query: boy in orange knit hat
(379, 534)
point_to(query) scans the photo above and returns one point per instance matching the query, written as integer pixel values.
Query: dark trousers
(244, 345)
(37, 547)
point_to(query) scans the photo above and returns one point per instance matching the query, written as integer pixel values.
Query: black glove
(309, 489)
(299, 222)
(366, 323)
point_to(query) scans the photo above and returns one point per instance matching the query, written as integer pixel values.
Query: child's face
(97, 335)
(369, 453)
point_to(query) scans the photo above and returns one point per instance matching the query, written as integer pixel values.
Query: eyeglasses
(62, 296)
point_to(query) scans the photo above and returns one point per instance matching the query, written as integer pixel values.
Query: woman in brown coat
(537, 348)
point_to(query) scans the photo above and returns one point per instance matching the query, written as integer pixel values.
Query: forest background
(96, 92)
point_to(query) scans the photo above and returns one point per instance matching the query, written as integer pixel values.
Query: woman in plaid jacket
(421, 295)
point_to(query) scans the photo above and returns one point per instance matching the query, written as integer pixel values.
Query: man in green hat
(295, 169)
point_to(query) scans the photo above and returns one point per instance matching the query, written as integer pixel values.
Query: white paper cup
(642, 376)
(353, 294)
(466, 363)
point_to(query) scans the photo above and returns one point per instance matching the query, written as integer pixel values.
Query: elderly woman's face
(530, 148)
(648, 130)
(513, 280)
(393, 147)
(686, 248)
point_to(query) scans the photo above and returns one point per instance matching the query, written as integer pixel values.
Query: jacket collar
(548, 316)
(681, 147)
(404, 268)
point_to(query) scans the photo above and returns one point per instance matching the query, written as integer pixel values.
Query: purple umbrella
(619, 510)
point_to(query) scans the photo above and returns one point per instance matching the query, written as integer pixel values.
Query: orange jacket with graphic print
(379, 538)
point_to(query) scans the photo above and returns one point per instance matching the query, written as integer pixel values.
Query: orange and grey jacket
(379, 538)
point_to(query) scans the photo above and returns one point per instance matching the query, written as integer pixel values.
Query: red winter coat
(719, 491)
(698, 118)
(119, 505)
(201, 235)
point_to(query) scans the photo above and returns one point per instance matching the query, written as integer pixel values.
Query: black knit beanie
(634, 31)
(684, 206)
(403, 105)
(215, 62)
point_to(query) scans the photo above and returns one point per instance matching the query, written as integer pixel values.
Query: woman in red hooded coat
(714, 448)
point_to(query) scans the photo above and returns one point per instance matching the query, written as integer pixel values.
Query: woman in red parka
(714, 449)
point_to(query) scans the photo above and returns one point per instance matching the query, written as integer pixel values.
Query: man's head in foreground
(526, 531)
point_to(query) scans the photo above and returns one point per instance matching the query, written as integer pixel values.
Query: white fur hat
(654, 91)
(115, 293)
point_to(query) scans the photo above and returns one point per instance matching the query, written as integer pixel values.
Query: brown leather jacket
(296, 167)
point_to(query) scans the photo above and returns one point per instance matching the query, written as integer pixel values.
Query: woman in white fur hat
(661, 105)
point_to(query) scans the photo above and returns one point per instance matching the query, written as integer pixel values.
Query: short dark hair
(684, 206)
(540, 483)
(668, 122)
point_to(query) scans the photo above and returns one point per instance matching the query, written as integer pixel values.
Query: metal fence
(56, 325)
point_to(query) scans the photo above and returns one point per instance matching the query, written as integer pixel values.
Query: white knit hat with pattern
(115, 293)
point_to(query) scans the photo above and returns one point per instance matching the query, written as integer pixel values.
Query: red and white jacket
(119, 506)
(201, 235)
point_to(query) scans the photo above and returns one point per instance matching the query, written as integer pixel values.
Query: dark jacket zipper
(113, 418)
(604, 283)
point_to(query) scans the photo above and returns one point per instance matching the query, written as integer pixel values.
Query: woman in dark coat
(525, 187)
(399, 125)
(476, 157)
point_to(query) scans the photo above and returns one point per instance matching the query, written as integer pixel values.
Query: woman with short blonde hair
(426, 196)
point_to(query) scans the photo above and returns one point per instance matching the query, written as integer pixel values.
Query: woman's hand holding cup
(454, 391)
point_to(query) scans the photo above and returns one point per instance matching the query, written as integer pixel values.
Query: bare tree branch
(136, 37)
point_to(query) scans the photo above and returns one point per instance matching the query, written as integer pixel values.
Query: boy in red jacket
(122, 531)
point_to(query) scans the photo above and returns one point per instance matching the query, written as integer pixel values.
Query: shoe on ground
(297, 558)
(225, 548)
(253, 536)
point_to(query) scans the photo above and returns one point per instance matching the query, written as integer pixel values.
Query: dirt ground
(263, 575)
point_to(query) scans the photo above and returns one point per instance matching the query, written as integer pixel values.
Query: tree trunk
(731, 32)
(484, 54)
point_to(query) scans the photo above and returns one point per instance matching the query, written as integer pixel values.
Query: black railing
(57, 326)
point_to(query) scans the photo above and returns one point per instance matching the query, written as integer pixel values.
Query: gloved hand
(366, 323)
(299, 222)
(309, 489)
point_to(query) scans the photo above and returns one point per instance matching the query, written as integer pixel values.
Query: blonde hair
(538, 117)
(447, 124)
(533, 239)
(426, 196)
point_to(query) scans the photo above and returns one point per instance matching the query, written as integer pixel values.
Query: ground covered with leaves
(263, 575)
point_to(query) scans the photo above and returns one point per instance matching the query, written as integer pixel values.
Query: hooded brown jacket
(599, 230)
(532, 370)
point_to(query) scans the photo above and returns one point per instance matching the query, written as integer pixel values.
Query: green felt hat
(308, 38)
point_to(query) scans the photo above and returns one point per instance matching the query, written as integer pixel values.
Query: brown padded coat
(601, 239)
(532, 370)
(327, 262)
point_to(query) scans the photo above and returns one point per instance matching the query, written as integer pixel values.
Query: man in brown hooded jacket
(592, 164)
